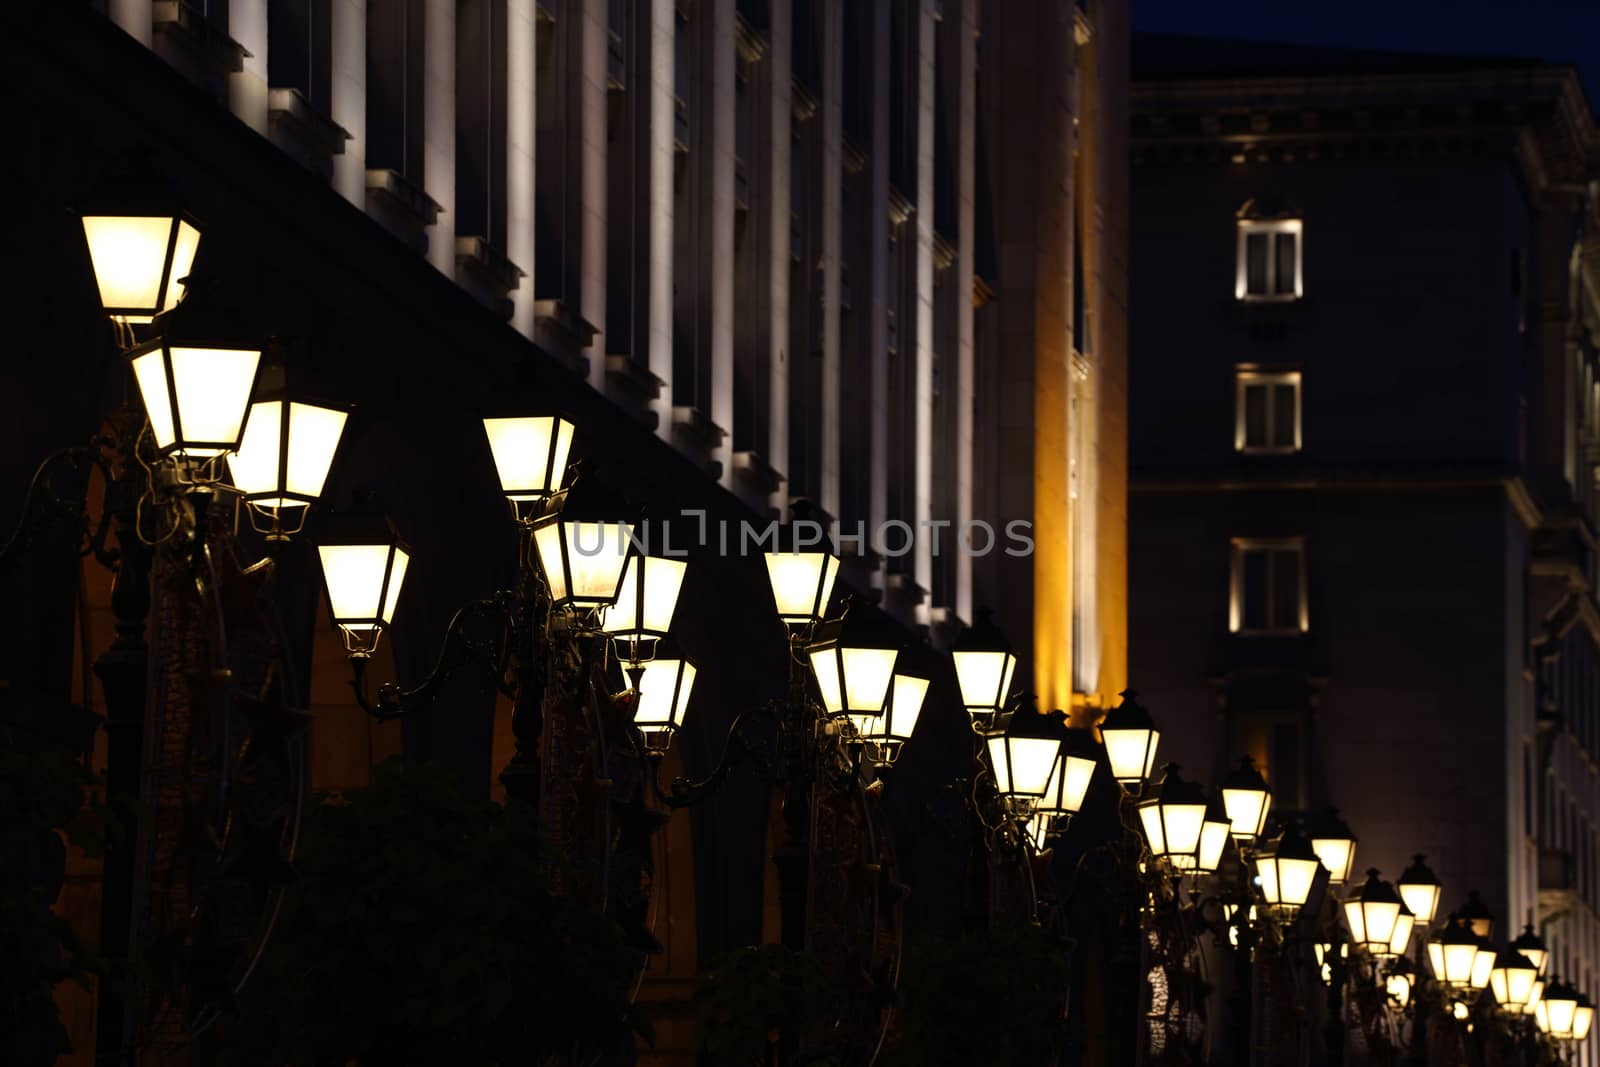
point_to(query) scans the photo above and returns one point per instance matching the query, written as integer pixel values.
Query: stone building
(870, 254)
(1362, 436)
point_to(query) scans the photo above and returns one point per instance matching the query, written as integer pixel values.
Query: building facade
(868, 254)
(1363, 498)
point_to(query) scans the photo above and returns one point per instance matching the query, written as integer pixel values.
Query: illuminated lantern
(284, 456)
(1247, 799)
(581, 553)
(1213, 837)
(1560, 1010)
(1482, 964)
(1371, 913)
(803, 568)
(1130, 738)
(1452, 952)
(530, 456)
(195, 378)
(984, 666)
(662, 692)
(1403, 928)
(1582, 1019)
(1022, 766)
(646, 600)
(1532, 946)
(1511, 980)
(893, 728)
(1420, 890)
(364, 565)
(140, 261)
(1335, 845)
(1070, 778)
(853, 663)
(1286, 871)
(1173, 819)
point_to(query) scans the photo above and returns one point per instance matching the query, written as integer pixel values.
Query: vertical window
(1267, 587)
(1266, 411)
(616, 57)
(680, 79)
(1269, 254)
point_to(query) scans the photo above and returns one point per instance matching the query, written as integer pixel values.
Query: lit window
(1266, 411)
(1269, 260)
(1267, 587)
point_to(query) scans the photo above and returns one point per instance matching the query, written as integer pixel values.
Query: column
(832, 177)
(247, 89)
(719, 219)
(348, 85)
(662, 86)
(522, 32)
(922, 411)
(966, 17)
(590, 88)
(878, 282)
(439, 131)
(135, 17)
(780, 126)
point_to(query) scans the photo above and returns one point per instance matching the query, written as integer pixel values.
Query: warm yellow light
(1401, 941)
(1068, 785)
(984, 678)
(1582, 1021)
(646, 601)
(1421, 897)
(200, 412)
(530, 454)
(802, 583)
(1247, 800)
(582, 561)
(364, 582)
(258, 468)
(1398, 986)
(1482, 964)
(1337, 854)
(663, 692)
(1511, 980)
(1022, 765)
(130, 253)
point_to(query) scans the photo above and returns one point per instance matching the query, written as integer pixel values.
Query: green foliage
(423, 930)
(759, 999)
(43, 807)
(995, 997)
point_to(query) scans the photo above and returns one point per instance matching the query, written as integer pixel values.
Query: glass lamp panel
(1337, 854)
(397, 575)
(1561, 1013)
(213, 392)
(663, 580)
(1534, 997)
(984, 677)
(1356, 921)
(1400, 940)
(128, 253)
(1459, 962)
(1069, 784)
(1267, 878)
(1421, 898)
(314, 434)
(1536, 956)
(867, 673)
(183, 251)
(355, 575)
(1541, 1015)
(825, 666)
(1154, 832)
(1519, 984)
(1031, 760)
(1582, 1021)
(255, 466)
(1380, 918)
(596, 552)
(1436, 960)
(1213, 840)
(1181, 826)
(1131, 753)
(1482, 964)
(905, 706)
(1039, 825)
(1247, 811)
(663, 690)
(150, 372)
(1295, 877)
(547, 542)
(522, 447)
(796, 578)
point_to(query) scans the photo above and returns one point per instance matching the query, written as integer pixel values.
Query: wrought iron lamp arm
(459, 650)
(737, 748)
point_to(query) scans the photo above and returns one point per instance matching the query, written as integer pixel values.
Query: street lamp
(581, 554)
(1558, 1010)
(1286, 869)
(1335, 845)
(645, 602)
(1420, 890)
(1173, 819)
(1482, 964)
(364, 564)
(284, 456)
(662, 698)
(1532, 946)
(1213, 837)
(1248, 799)
(1403, 927)
(1582, 1019)
(1511, 981)
(140, 262)
(984, 666)
(887, 732)
(1452, 952)
(1372, 913)
(802, 570)
(854, 665)
(1130, 737)
(195, 378)
(1070, 778)
(530, 456)
(1021, 766)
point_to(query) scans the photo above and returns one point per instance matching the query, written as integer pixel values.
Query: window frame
(1270, 227)
(1237, 550)
(1248, 375)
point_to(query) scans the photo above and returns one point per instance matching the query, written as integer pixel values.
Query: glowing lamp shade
(364, 565)
(1534, 998)
(1400, 943)
(1511, 980)
(140, 262)
(530, 455)
(645, 602)
(1420, 890)
(853, 665)
(1452, 953)
(1482, 964)
(196, 396)
(1071, 776)
(1335, 845)
(1286, 870)
(1213, 837)
(802, 582)
(1247, 800)
(1531, 945)
(1560, 1008)
(663, 697)
(893, 728)
(1130, 738)
(582, 558)
(1582, 1019)
(1173, 820)
(1371, 913)
(984, 669)
(1022, 765)
(284, 457)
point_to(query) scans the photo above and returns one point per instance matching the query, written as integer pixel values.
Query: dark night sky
(1557, 31)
